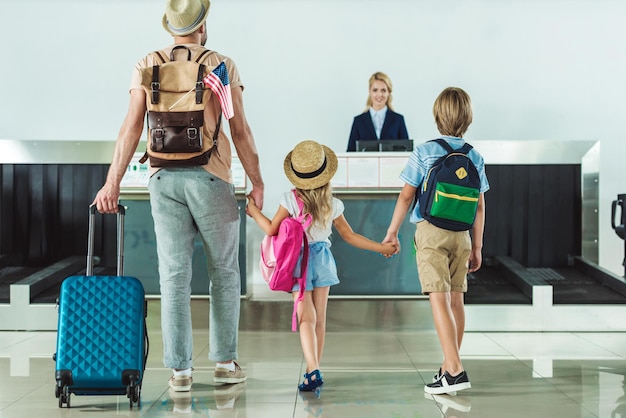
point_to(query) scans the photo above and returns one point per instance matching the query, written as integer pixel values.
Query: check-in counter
(542, 208)
(368, 184)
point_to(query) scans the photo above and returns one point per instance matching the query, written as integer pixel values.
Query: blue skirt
(322, 269)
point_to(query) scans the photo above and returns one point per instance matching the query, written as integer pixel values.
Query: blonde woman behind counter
(378, 121)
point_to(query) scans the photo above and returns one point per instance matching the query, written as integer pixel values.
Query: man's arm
(106, 200)
(246, 149)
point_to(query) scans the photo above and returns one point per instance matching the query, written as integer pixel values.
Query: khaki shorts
(442, 258)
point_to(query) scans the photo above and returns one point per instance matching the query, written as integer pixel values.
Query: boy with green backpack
(445, 181)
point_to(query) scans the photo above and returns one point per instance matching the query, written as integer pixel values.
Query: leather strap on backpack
(190, 162)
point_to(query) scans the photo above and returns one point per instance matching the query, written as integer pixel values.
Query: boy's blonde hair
(318, 203)
(380, 76)
(453, 112)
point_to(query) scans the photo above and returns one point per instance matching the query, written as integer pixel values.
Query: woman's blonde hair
(453, 112)
(319, 204)
(380, 76)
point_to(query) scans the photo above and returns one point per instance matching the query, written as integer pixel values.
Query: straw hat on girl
(310, 165)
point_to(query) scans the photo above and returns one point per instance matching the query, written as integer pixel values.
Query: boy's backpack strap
(444, 144)
(465, 148)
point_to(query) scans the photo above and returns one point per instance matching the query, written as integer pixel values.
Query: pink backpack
(280, 254)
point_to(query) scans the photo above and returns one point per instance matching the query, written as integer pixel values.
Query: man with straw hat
(189, 200)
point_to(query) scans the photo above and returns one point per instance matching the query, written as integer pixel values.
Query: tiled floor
(378, 355)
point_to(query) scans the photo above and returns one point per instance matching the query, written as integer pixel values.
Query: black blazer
(363, 128)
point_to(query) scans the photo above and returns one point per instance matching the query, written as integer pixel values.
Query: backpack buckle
(192, 133)
(156, 95)
(158, 133)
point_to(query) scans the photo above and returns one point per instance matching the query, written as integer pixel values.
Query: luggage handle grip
(121, 212)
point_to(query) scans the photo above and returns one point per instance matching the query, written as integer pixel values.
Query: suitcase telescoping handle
(121, 212)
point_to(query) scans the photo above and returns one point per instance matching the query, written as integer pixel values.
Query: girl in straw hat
(309, 167)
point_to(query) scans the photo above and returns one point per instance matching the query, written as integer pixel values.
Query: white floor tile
(375, 370)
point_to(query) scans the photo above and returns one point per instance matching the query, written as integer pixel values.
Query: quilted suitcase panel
(100, 332)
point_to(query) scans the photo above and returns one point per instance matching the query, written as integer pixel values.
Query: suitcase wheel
(133, 391)
(62, 388)
(63, 393)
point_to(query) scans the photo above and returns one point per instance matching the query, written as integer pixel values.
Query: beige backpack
(176, 98)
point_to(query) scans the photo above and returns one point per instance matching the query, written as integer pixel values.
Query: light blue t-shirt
(425, 155)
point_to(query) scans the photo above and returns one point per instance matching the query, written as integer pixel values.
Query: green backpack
(448, 196)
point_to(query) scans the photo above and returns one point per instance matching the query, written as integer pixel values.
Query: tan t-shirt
(220, 161)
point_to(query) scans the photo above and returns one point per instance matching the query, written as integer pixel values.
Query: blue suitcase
(102, 341)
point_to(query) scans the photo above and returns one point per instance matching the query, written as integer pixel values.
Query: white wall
(535, 70)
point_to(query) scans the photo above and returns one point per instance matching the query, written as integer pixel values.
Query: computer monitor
(396, 145)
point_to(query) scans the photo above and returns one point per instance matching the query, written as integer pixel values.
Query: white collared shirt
(378, 118)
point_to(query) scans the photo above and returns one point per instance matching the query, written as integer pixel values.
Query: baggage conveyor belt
(43, 283)
(502, 280)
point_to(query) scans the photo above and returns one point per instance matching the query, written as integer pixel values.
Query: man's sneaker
(447, 384)
(222, 375)
(180, 383)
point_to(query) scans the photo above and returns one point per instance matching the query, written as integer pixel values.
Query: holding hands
(392, 240)
(251, 205)
(389, 249)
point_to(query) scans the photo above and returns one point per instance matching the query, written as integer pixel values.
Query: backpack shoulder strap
(203, 54)
(298, 201)
(160, 57)
(465, 148)
(303, 218)
(444, 144)
(199, 83)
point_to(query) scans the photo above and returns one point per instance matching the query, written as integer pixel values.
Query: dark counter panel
(366, 273)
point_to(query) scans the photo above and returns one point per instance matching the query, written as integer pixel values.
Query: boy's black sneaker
(448, 384)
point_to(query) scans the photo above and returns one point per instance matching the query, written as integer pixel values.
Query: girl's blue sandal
(309, 384)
